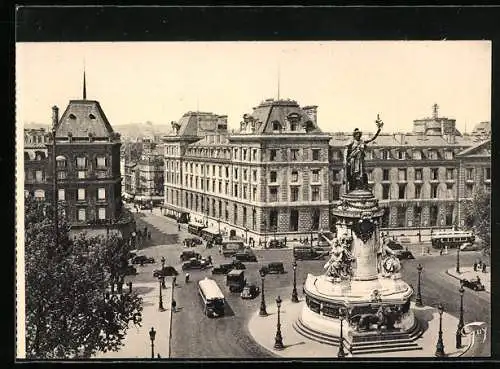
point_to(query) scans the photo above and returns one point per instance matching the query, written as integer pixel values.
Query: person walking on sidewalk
(174, 306)
(179, 227)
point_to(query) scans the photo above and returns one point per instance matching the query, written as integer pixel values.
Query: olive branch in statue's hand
(379, 122)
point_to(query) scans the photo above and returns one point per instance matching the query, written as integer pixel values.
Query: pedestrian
(145, 230)
(175, 281)
(187, 277)
(441, 250)
(209, 259)
(179, 227)
(149, 235)
(220, 249)
(174, 305)
(484, 268)
(475, 266)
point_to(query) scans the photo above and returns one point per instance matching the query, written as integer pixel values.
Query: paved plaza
(469, 274)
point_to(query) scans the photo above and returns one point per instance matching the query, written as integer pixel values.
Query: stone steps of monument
(318, 336)
(377, 349)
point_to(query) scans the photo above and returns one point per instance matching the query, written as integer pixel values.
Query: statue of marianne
(354, 159)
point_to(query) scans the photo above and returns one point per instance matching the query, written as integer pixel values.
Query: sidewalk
(263, 330)
(470, 274)
(137, 343)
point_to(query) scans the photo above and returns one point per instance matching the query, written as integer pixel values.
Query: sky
(350, 82)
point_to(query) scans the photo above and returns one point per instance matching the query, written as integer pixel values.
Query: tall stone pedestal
(376, 302)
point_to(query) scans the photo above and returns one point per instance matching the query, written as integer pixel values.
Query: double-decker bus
(212, 298)
(451, 239)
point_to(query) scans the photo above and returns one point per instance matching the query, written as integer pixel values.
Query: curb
(454, 276)
(170, 310)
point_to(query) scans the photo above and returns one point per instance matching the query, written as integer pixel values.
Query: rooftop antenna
(435, 109)
(84, 82)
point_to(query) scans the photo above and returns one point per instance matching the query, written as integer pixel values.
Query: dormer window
(417, 154)
(293, 127)
(276, 126)
(72, 116)
(91, 116)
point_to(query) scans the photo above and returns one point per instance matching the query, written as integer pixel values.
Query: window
(254, 154)
(315, 194)
(220, 186)
(272, 155)
(39, 194)
(81, 162)
(273, 194)
(235, 173)
(294, 153)
(293, 127)
(418, 174)
(102, 213)
(433, 154)
(336, 175)
(81, 194)
(38, 176)
(245, 192)
(449, 190)
(276, 126)
(385, 174)
(315, 175)
(220, 171)
(336, 192)
(417, 216)
(227, 172)
(61, 194)
(448, 155)
(254, 175)
(402, 174)
(61, 175)
(401, 155)
(336, 155)
(469, 174)
(101, 162)
(82, 215)
(244, 152)
(315, 154)
(385, 155)
(101, 194)
(469, 189)
(401, 217)
(385, 191)
(226, 188)
(417, 155)
(418, 191)
(434, 174)
(294, 220)
(368, 154)
(82, 174)
(295, 176)
(315, 219)
(213, 170)
(487, 173)
(450, 174)
(235, 211)
(235, 190)
(72, 116)
(61, 163)
(245, 177)
(273, 177)
(433, 215)
(402, 191)
(294, 193)
(369, 174)
(273, 219)
(434, 191)
(254, 193)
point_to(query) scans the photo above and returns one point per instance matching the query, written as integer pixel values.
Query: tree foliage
(478, 215)
(69, 312)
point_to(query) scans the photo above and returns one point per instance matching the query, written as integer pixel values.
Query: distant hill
(33, 125)
(134, 130)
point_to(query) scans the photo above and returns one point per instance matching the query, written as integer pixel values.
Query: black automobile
(194, 263)
(399, 251)
(273, 268)
(473, 284)
(166, 272)
(245, 256)
(192, 241)
(276, 244)
(189, 254)
(250, 291)
(142, 259)
(226, 268)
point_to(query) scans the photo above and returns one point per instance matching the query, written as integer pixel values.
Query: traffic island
(297, 345)
(137, 341)
(471, 275)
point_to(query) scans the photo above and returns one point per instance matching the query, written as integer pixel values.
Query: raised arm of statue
(379, 124)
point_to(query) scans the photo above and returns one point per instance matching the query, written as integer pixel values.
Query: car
(166, 272)
(399, 251)
(142, 259)
(194, 263)
(275, 244)
(245, 256)
(227, 267)
(473, 284)
(130, 270)
(250, 291)
(307, 253)
(468, 246)
(189, 254)
(274, 267)
(192, 241)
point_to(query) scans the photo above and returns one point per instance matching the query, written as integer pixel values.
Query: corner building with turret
(270, 179)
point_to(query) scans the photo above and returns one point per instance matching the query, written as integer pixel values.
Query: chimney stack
(312, 112)
(55, 116)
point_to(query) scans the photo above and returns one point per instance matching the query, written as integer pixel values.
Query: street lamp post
(294, 291)
(341, 352)
(160, 305)
(461, 319)
(278, 340)
(246, 235)
(458, 259)
(262, 311)
(418, 300)
(265, 234)
(54, 180)
(162, 269)
(440, 345)
(152, 334)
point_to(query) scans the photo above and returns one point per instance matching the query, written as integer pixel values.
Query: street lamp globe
(152, 334)
(278, 302)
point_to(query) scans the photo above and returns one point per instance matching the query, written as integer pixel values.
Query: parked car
(130, 270)
(250, 291)
(142, 259)
(189, 254)
(192, 241)
(275, 244)
(275, 267)
(166, 272)
(245, 256)
(468, 246)
(399, 251)
(195, 263)
(226, 268)
(473, 284)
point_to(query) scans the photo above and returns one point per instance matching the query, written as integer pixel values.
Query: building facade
(35, 163)
(268, 180)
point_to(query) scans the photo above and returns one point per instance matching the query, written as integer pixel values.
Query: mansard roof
(84, 117)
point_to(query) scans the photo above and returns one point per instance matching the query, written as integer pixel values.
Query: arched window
(276, 126)
(39, 194)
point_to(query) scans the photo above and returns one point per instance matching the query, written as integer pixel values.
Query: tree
(69, 313)
(478, 215)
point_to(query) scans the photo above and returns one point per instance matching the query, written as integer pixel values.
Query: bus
(212, 297)
(451, 239)
(195, 229)
(211, 235)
